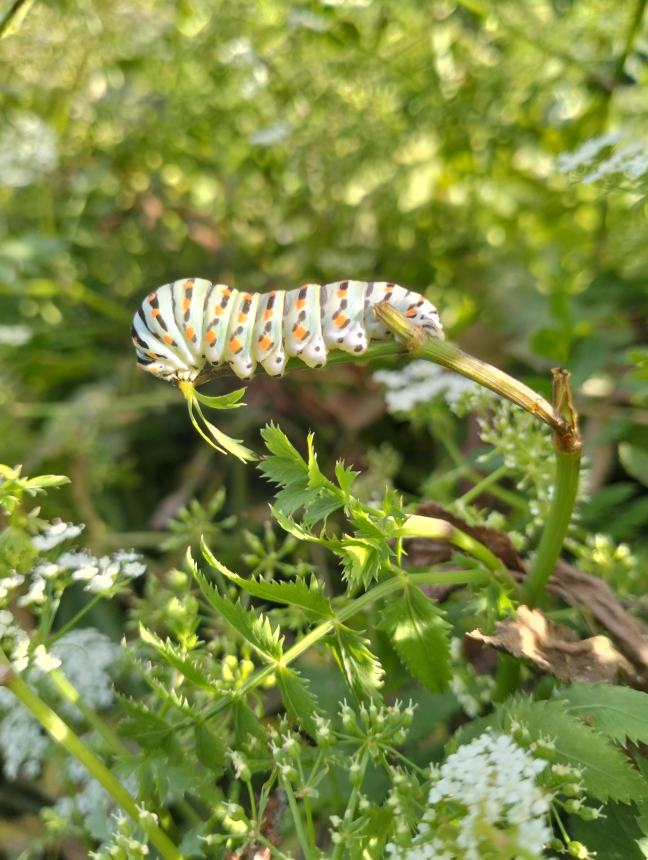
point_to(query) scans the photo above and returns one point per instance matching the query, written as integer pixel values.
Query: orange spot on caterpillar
(218, 311)
(186, 303)
(265, 343)
(411, 312)
(341, 321)
(300, 332)
(235, 345)
(211, 336)
(300, 303)
(242, 317)
(167, 339)
(267, 315)
(155, 312)
(190, 332)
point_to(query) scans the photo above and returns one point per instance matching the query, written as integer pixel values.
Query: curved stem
(69, 740)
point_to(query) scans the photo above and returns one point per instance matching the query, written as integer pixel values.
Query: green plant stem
(299, 827)
(353, 802)
(507, 679)
(69, 692)
(442, 352)
(74, 621)
(486, 483)
(437, 529)
(66, 737)
(556, 525)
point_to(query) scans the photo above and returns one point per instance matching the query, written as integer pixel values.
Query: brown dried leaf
(557, 649)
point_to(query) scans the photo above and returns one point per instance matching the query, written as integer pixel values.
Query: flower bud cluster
(378, 726)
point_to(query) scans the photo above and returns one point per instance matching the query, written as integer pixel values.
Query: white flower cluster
(419, 382)
(55, 533)
(22, 741)
(630, 160)
(28, 149)
(99, 575)
(88, 658)
(473, 793)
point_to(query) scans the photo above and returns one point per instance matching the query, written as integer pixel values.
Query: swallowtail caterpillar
(189, 325)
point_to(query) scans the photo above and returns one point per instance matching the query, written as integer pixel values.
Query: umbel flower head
(485, 794)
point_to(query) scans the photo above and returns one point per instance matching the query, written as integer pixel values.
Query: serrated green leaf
(361, 668)
(345, 476)
(618, 712)
(293, 528)
(298, 700)
(315, 476)
(148, 729)
(278, 444)
(173, 656)
(420, 637)
(295, 593)
(251, 625)
(321, 507)
(607, 773)
(210, 748)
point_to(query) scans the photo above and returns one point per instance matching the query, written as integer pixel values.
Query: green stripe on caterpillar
(183, 326)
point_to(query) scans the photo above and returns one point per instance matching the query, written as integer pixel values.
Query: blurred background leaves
(264, 145)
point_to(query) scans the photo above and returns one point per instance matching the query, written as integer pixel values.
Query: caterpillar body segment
(184, 325)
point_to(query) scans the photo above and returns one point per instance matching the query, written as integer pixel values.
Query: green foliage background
(269, 144)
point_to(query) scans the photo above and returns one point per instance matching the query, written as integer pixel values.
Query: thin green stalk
(353, 802)
(486, 483)
(299, 827)
(69, 692)
(66, 737)
(556, 525)
(507, 679)
(74, 621)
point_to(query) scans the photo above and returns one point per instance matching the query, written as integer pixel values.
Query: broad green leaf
(173, 656)
(420, 637)
(618, 712)
(321, 506)
(607, 773)
(298, 700)
(293, 528)
(359, 665)
(634, 460)
(251, 625)
(295, 593)
(210, 748)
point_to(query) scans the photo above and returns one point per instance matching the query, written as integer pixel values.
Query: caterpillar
(181, 327)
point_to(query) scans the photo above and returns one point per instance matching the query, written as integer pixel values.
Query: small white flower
(14, 335)
(36, 594)
(43, 660)
(10, 583)
(56, 533)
